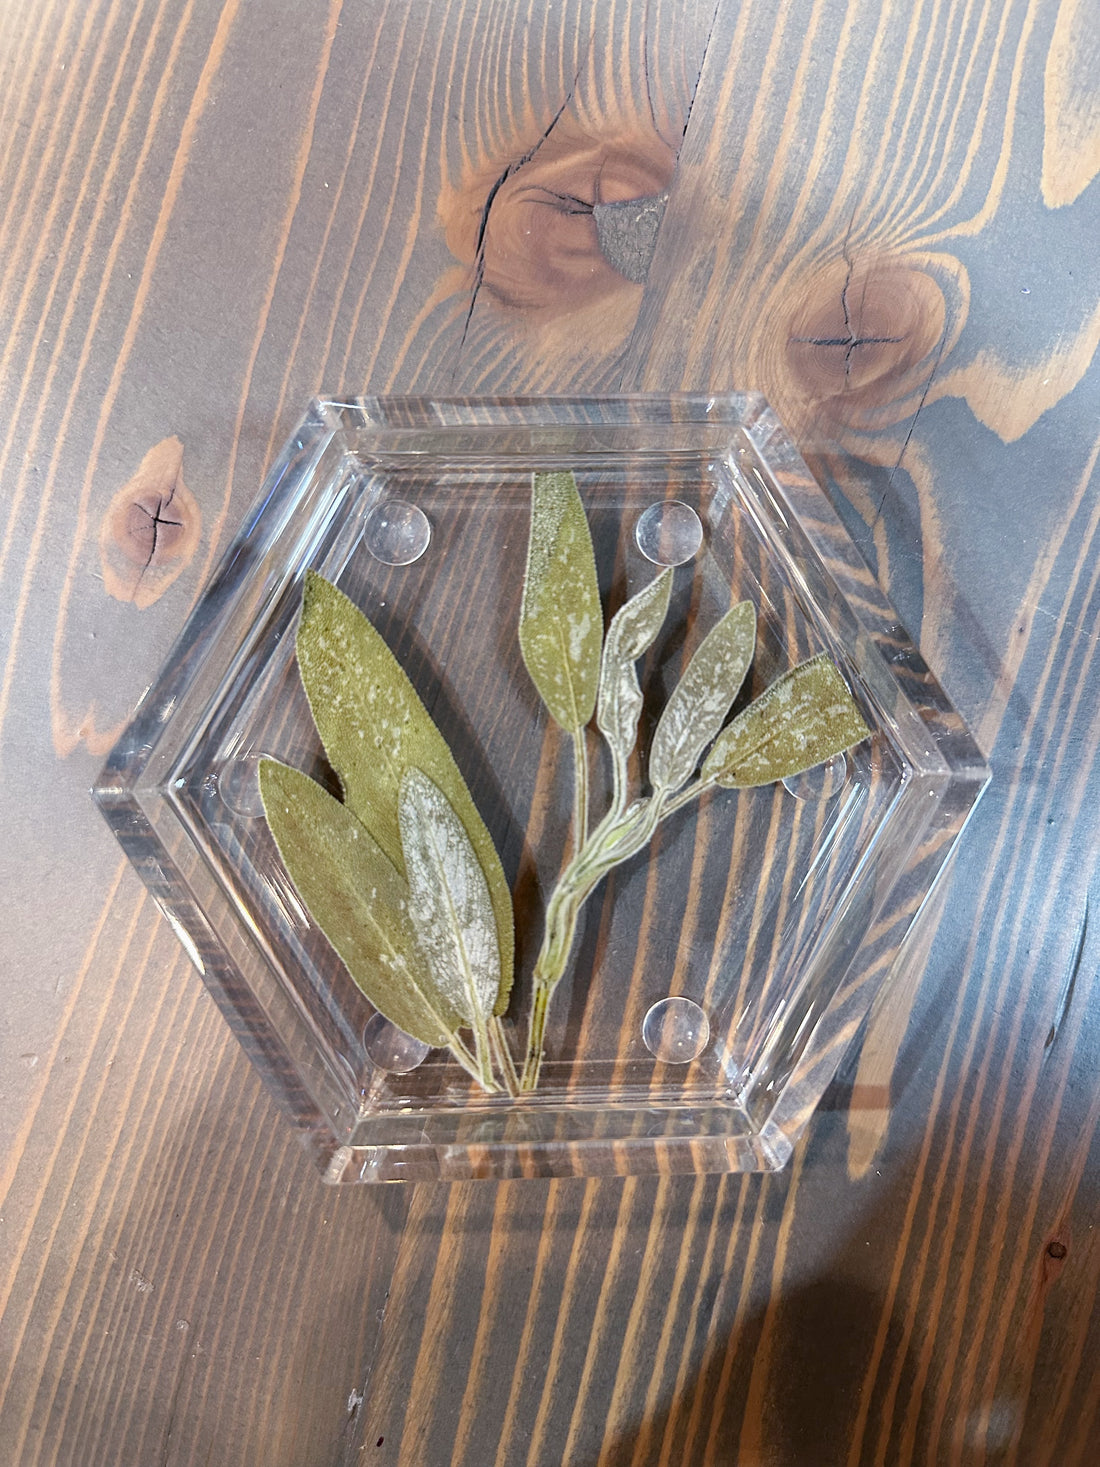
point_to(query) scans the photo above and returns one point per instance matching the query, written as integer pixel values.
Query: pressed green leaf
(561, 621)
(804, 718)
(374, 727)
(359, 901)
(451, 909)
(701, 699)
(632, 632)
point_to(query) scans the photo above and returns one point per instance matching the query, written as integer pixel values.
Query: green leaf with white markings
(374, 728)
(632, 632)
(359, 900)
(702, 698)
(805, 717)
(451, 909)
(561, 620)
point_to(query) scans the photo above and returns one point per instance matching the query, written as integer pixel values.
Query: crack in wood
(1069, 983)
(483, 223)
(151, 528)
(156, 520)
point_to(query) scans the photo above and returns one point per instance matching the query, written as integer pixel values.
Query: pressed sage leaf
(804, 718)
(359, 901)
(701, 699)
(632, 632)
(374, 727)
(451, 909)
(561, 621)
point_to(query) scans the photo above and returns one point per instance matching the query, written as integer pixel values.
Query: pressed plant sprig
(402, 875)
(804, 718)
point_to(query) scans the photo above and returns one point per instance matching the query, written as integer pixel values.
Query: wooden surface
(882, 214)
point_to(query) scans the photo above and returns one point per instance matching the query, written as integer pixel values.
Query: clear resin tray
(720, 974)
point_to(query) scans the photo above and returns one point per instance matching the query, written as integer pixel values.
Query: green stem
(690, 792)
(562, 912)
(612, 842)
(619, 785)
(473, 1066)
(484, 1055)
(580, 789)
(618, 836)
(503, 1055)
(537, 1028)
(462, 1054)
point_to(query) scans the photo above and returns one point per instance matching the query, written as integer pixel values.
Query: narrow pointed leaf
(451, 908)
(374, 727)
(358, 899)
(561, 621)
(702, 698)
(804, 718)
(632, 632)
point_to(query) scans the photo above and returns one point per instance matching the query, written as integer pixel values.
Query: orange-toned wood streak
(881, 214)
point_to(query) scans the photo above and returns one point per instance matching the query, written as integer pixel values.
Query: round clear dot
(823, 782)
(669, 533)
(390, 1048)
(239, 786)
(676, 1030)
(396, 533)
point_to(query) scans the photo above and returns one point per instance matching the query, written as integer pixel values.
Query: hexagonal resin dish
(771, 917)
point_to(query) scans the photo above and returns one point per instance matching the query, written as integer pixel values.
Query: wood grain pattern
(883, 215)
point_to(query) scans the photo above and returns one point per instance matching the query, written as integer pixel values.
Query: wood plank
(206, 218)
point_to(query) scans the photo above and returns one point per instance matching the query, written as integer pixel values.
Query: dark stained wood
(884, 216)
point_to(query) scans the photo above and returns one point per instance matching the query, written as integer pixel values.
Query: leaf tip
(269, 772)
(313, 587)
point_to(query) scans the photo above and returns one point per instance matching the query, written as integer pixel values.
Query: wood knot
(151, 528)
(1053, 1258)
(529, 228)
(864, 336)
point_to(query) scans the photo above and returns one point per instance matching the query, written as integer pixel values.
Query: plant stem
(536, 1029)
(619, 783)
(670, 804)
(462, 1054)
(503, 1055)
(473, 1067)
(580, 789)
(613, 841)
(484, 1054)
(618, 836)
